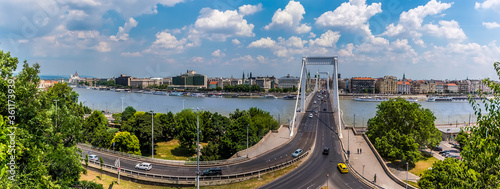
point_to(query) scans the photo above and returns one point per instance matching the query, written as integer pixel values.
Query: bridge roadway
(318, 130)
(313, 173)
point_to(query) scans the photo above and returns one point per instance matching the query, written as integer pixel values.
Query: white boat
(371, 99)
(160, 93)
(139, 91)
(175, 94)
(270, 96)
(439, 99)
(197, 95)
(147, 92)
(411, 100)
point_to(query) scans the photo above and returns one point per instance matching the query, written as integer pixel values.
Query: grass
(110, 182)
(413, 184)
(423, 165)
(171, 150)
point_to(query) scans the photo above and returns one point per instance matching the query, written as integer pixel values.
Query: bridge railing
(189, 180)
(164, 161)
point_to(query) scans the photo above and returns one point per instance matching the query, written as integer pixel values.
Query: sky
(223, 38)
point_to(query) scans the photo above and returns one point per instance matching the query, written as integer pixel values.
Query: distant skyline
(158, 38)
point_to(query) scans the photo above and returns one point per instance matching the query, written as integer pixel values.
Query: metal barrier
(164, 161)
(188, 180)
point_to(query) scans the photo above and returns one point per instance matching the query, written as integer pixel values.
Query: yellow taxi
(342, 168)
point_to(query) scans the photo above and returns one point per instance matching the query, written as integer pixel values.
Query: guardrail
(164, 161)
(190, 180)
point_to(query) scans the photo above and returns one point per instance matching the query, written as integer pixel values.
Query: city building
(439, 87)
(123, 80)
(189, 80)
(362, 85)
(404, 87)
(213, 84)
(145, 82)
(387, 85)
(288, 82)
(74, 78)
(451, 88)
(263, 82)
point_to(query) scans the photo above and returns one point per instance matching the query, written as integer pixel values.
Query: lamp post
(183, 104)
(122, 103)
(56, 112)
(406, 175)
(247, 139)
(152, 133)
(197, 147)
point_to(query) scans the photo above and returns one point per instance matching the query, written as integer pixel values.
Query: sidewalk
(365, 163)
(274, 140)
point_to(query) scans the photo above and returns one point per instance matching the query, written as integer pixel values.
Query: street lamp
(183, 104)
(197, 146)
(406, 175)
(122, 103)
(247, 139)
(152, 139)
(56, 112)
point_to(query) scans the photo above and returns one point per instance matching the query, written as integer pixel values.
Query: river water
(445, 112)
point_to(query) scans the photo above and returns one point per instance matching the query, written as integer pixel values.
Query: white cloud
(168, 41)
(250, 9)
(491, 25)
(219, 25)
(489, 4)
(312, 35)
(327, 39)
(197, 59)
(447, 29)
(236, 41)
(289, 18)
(103, 47)
(352, 15)
(123, 31)
(293, 41)
(131, 54)
(218, 53)
(261, 59)
(246, 58)
(263, 43)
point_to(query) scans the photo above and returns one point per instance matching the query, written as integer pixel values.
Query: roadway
(313, 172)
(318, 130)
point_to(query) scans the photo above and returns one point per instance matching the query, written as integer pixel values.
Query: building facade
(362, 85)
(288, 81)
(123, 80)
(387, 85)
(190, 80)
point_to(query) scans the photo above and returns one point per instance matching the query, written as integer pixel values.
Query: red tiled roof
(363, 78)
(213, 82)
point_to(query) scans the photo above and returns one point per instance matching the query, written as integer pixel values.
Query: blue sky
(159, 38)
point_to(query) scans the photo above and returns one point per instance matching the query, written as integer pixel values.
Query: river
(445, 112)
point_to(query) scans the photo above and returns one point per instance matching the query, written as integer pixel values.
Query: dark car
(212, 172)
(437, 148)
(326, 150)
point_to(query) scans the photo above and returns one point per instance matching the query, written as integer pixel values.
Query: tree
(480, 165)
(399, 123)
(462, 138)
(126, 142)
(186, 125)
(45, 152)
(127, 113)
(140, 126)
(101, 163)
(96, 130)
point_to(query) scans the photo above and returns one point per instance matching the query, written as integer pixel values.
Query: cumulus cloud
(219, 25)
(123, 31)
(218, 53)
(250, 9)
(289, 18)
(491, 25)
(410, 24)
(353, 14)
(197, 59)
(236, 41)
(327, 39)
(103, 47)
(263, 43)
(246, 58)
(131, 54)
(489, 4)
(261, 59)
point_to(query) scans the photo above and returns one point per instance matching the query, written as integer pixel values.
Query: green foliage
(127, 113)
(140, 126)
(449, 173)
(400, 127)
(117, 117)
(45, 152)
(96, 130)
(126, 142)
(186, 125)
(480, 165)
(462, 138)
(84, 184)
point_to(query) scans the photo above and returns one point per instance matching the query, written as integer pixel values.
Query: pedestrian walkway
(365, 162)
(271, 142)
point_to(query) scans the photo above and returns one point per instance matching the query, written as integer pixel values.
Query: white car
(297, 152)
(310, 115)
(144, 166)
(93, 157)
